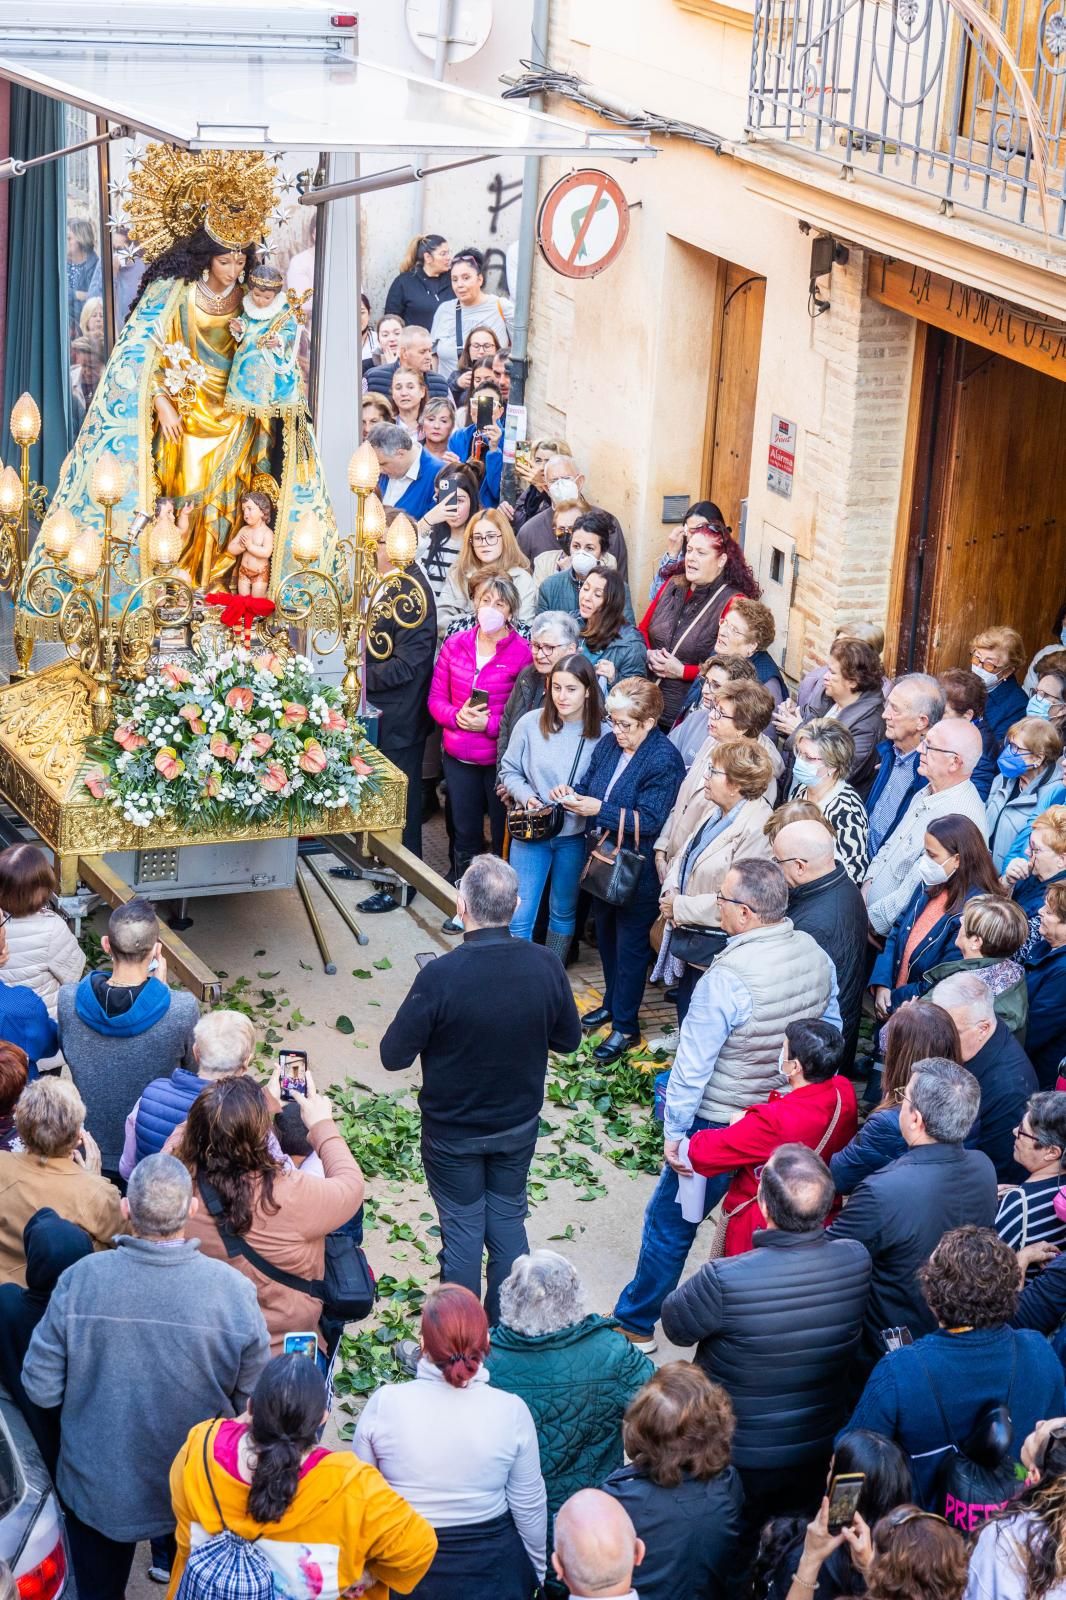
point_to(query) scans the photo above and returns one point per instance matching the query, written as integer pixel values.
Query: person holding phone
(441, 529)
(472, 680)
(482, 439)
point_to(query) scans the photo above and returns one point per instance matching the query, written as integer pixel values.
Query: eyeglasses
(939, 748)
(471, 260)
(727, 899)
(900, 1517)
(899, 1095)
(485, 540)
(787, 861)
(546, 649)
(1021, 1133)
(1017, 749)
(990, 663)
(621, 727)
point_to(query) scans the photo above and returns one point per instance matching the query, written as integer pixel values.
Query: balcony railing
(912, 92)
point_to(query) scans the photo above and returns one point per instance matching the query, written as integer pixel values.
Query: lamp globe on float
(401, 541)
(164, 543)
(364, 469)
(10, 494)
(25, 421)
(374, 518)
(85, 556)
(59, 531)
(108, 481)
(307, 539)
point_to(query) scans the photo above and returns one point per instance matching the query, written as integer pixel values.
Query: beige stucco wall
(621, 364)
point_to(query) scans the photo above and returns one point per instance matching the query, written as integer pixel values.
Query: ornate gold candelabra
(16, 495)
(73, 590)
(353, 608)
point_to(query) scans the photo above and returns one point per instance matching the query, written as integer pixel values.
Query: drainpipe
(527, 239)
(440, 61)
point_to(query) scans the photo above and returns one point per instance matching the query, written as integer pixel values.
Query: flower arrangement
(182, 373)
(229, 740)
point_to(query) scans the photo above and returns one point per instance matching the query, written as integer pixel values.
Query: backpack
(226, 1566)
(978, 1476)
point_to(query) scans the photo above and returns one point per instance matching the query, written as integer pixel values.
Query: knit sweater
(535, 763)
(112, 1068)
(137, 1345)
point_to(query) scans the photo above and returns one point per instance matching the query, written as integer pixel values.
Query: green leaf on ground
(384, 965)
(344, 1024)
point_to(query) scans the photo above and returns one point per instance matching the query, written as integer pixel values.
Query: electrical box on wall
(776, 572)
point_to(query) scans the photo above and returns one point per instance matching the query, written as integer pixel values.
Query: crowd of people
(854, 893)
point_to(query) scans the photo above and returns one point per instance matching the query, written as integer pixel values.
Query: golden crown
(172, 193)
(266, 483)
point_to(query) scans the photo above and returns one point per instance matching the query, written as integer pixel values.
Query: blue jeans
(563, 859)
(664, 1247)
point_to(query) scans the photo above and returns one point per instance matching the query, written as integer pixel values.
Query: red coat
(799, 1117)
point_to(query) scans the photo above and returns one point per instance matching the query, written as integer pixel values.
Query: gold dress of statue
(194, 409)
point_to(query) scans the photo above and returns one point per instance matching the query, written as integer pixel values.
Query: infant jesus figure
(253, 545)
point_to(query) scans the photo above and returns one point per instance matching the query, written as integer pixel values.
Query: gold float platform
(45, 721)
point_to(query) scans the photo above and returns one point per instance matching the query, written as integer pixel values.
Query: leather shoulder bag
(612, 872)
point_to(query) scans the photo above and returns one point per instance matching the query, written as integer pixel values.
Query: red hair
(455, 1333)
(736, 572)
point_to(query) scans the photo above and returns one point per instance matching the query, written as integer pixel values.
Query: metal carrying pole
(331, 894)
(328, 964)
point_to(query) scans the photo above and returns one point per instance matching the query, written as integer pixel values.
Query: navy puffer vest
(164, 1106)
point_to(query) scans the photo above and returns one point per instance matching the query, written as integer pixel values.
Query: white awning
(291, 97)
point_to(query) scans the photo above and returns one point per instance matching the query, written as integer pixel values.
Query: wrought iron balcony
(942, 96)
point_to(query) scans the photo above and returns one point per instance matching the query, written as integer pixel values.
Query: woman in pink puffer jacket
(484, 661)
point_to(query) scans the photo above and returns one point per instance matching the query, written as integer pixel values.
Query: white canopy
(291, 96)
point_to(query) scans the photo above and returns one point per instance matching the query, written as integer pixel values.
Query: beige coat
(27, 1183)
(690, 808)
(744, 836)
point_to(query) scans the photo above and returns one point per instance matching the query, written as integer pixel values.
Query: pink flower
(127, 736)
(167, 763)
(222, 750)
(98, 783)
(313, 758)
(335, 722)
(274, 779)
(261, 743)
(269, 661)
(240, 698)
(191, 713)
(212, 785)
(174, 676)
(360, 764)
(294, 713)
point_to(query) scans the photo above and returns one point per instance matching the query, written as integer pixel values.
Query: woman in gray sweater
(550, 749)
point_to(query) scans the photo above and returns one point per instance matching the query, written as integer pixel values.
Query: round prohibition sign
(583, 223)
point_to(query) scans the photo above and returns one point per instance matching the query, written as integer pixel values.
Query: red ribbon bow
(240, 610)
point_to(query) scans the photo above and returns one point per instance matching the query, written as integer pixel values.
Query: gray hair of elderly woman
(562, 624)
(542, 1294)
(496, 587)
(223, 1042)
(49, 1117)
(159, 1196)
(833, 742)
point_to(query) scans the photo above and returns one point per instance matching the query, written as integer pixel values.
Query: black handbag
(534, 827)
(347, 1289)
(612, 872)
(696, 946)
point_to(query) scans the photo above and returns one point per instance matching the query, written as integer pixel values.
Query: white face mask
(931, 872)
(989, 679)
(583, 562)
(563, 491)
(490, 619)
(782, 1062)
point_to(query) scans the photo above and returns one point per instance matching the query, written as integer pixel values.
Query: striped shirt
(1026, 1214)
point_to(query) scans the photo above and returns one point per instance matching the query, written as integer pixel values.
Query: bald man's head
(949, 752)
(596, 1545)
(804, 851)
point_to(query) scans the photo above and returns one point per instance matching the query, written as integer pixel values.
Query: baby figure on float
(263, 373)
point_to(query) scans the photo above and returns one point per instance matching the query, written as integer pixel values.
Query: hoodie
(344, 1521)
(116, 1039)
(52, 1244)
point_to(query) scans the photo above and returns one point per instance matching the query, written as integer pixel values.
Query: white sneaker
(666, 1042)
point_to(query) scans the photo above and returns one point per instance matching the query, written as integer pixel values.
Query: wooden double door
(987, 534)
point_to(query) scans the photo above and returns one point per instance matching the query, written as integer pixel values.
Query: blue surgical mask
(1062, 633)
(1038, 706)
(805, 772)
(1011, 764)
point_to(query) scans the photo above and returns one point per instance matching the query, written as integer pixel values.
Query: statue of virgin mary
(169, 405)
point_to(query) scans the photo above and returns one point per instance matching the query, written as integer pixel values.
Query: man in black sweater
(824, 902)
(483, 1018)
(398, 688)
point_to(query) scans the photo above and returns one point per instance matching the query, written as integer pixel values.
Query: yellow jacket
(344, 1524)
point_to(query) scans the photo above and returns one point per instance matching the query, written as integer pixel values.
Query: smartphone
(424, 957)
(301, 1344)
(292, 1069)
(844, 1492)
(484, 406)
(447, 490)
(896, 1338)
(478, 697)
